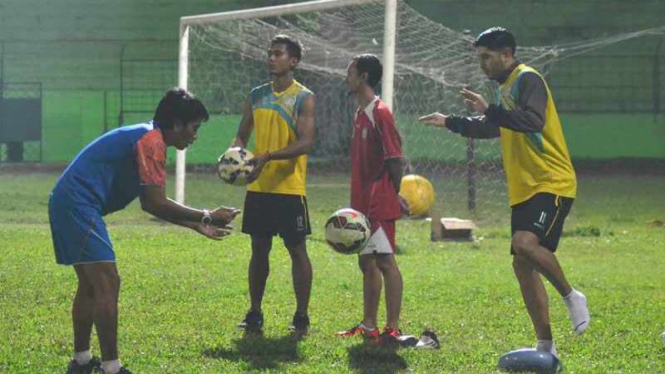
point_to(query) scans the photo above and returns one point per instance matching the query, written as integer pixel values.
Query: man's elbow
(151, 206)
(307, 146)
(146, 206)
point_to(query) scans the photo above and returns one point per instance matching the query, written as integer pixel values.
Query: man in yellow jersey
(541, 179)
(281, 114)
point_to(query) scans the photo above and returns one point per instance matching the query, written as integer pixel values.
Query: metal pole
(656, 81)
(471, 167)
(106, 125)
(182, 83)
(389, 41)
(41, 123)
(121, 117)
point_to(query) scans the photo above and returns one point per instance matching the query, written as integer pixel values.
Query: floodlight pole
(182, 83)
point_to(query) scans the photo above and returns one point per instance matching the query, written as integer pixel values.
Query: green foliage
(182, 295)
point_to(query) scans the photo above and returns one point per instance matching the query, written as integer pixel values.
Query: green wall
(74, 48)
(606, 136)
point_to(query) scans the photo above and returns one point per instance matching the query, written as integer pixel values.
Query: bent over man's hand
(222, 216)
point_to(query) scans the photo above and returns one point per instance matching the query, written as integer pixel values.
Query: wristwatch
(207, 218)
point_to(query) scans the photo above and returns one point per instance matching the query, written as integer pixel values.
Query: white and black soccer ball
(347, 231)
(234, 167)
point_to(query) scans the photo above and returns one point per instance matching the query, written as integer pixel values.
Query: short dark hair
(293, 46)
(370, 64)
(496, 39)
(178, 104)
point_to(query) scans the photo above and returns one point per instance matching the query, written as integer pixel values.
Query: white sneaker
(428, 340)
(662, 336)
(578, 311)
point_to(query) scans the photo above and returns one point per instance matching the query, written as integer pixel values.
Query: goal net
(227, 57)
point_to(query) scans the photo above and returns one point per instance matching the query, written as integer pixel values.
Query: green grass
(182, 295)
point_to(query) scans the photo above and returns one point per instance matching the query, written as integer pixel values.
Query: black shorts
(543, 214)
(269, 214)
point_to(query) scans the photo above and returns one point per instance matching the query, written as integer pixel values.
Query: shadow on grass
(366, 359)
(259, 352)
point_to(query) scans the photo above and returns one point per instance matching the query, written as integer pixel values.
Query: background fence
(93, 67)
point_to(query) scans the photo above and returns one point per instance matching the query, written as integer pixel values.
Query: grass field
(182, 295)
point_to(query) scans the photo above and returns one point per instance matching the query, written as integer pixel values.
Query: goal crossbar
(271, 11)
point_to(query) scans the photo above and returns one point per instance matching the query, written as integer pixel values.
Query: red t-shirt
(375, 139)
(151, 159)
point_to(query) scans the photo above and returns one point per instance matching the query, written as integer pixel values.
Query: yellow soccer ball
(419, 193)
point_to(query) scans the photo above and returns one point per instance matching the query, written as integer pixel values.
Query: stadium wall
(75, 51)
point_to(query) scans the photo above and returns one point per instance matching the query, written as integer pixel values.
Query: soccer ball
(419, 193)
(234, 167)
(347, 231)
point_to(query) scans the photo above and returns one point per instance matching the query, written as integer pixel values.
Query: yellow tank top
(275, 118)
(539, 161)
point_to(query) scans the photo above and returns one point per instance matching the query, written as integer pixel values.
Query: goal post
(310, 6)
(223, 56)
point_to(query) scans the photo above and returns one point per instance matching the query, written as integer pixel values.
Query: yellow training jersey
(275, 118)
(538, 161)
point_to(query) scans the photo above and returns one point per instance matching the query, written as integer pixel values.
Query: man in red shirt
(376, 174)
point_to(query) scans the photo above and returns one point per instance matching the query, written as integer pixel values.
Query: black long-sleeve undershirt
(527, 117)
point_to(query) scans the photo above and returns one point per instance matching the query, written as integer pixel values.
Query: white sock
(367, 328)
(111, 367)
(547, 346)
(578, 311)
(82, 358)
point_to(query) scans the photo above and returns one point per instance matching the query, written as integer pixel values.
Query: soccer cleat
(360, 329)
(75, 368)
(253, 321)
(300, 324)
(428, 340)
(578, 311)
(389, 337)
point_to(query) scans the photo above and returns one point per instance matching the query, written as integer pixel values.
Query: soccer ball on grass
(418, 193)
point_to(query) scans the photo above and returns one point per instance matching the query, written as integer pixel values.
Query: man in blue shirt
(105, 177)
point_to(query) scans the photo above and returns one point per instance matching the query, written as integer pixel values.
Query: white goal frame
(389, 39)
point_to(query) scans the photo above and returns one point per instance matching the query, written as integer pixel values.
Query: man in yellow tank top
(540, 175)
(281, 115)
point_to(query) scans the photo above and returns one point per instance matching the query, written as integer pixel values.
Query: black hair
(178, 104)
(293, 46)
(370, 64)
(496, 39)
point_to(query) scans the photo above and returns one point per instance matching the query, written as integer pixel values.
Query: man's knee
(386, 264)
(85, 289)
(106, 291)
(521, 263)
(297, 249)
(524, 243)
(261, 246)
(367, 264)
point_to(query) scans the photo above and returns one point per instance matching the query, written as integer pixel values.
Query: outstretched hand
(222, 216)
(435, 119)
(212, 232)
(474, 101)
